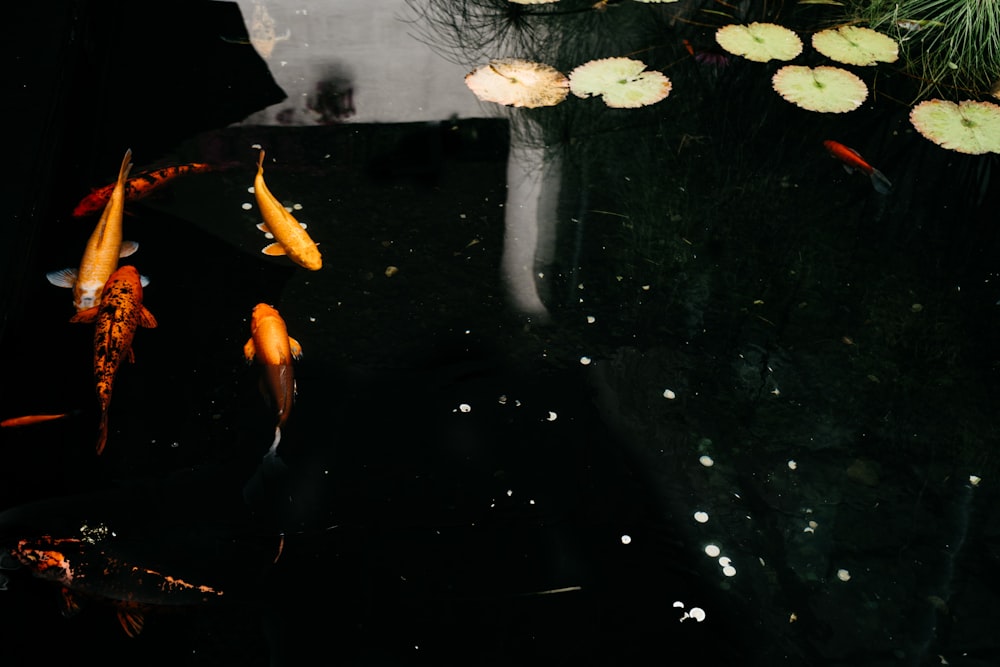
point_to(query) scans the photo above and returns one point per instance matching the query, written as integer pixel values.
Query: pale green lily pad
(518, 83)
(967, 127)
(759, 42)
(824, 89)
(855, 45)
(623, 83)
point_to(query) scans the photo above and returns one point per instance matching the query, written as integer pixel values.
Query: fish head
(127, 278)
(86, 296)
(48, 557)
(261, 313)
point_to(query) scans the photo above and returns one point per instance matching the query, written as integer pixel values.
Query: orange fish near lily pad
(853, 161)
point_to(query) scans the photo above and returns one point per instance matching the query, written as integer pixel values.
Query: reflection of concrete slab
(359, 54)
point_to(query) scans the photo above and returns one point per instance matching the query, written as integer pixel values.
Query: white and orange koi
(274, 349)
(100, 257)
(289, 234)
(121, 312)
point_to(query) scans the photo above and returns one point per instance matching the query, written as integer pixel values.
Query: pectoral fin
(143, 280)
(267, 232)
(131, 622)
(273, 250)
(68, 606)
(62, 278)
(128, 248)
(249, 350)
(295, 347)
(146, 318)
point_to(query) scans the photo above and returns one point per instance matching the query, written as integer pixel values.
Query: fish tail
(102, 433)
(881, 184)
(274, 445)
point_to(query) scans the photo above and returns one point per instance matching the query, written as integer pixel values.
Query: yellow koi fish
(289, 234)
(100, 257)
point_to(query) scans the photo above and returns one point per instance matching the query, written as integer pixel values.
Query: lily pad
(518, 83)
(759, 42)
(966, 127)
(824, 89)
(624, 83)
(854, 45)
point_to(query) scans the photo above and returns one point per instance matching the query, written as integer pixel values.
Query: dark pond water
(571, 377)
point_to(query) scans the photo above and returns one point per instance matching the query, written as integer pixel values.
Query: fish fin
(302, 224)
(273, 451)
(273, 250)
(249, 350)
(881, 184)
(128, 248)
(296, 348)
(146, 318)
(131, 622)
(130, 355)
(262, 226)
(143, 280)
(87, 316)
(62, 278)
(68, 605)
(848, 168)
(102, 434)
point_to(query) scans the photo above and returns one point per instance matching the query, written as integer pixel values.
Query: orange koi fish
(271, 346)
(853, 161)
(137, 187)
(100, 257)
(87, 566)
(289, 234)
(121, 312)
(27, 420)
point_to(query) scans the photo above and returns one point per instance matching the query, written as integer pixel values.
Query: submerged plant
(947, 44)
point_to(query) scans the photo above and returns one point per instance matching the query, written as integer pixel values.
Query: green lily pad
(623, 83)
(824, 89)
(854, 45)
(759, 42)
(967, 127)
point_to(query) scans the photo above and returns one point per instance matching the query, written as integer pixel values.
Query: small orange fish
(853, 161)
(137, 187)
(121, 312)
(105, 246)
(27, 420)
(272, 347)
(289, 234)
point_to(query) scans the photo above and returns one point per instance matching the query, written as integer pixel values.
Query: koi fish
(289, 234)
(853, 161)
(272, 347)
(88, 567)
(27, 420)
(121, 312)
(137, 187)
(104, 248)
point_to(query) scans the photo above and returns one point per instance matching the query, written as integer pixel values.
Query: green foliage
(947, 44)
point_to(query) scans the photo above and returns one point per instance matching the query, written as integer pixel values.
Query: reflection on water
(571, 377)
